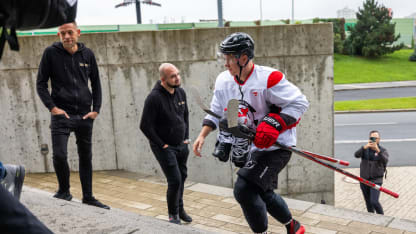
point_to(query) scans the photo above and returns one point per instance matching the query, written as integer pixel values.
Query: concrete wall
(128, 64)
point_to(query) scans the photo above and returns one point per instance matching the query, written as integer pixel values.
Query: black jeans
(61, 127)
(173, 160)
(253, 189)
(371, 197)
(256, 202)
(16, 218)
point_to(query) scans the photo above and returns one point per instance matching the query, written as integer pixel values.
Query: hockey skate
(13, 182)
(223, 146)
(294, 227)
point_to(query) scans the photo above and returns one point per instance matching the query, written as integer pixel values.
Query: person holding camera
(374, 160)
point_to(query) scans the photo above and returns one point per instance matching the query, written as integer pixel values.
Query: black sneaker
(63, 195)
(294, 227)
(222, 151)
(174, 219)
(184, 216)
(13, 181)
(94, 202)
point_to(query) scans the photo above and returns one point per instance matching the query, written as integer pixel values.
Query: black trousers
(16, 218)
(61, 127)
(371, 197)
(253, 189)
(173, 160)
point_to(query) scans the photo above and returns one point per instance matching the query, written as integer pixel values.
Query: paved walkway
(214, 208)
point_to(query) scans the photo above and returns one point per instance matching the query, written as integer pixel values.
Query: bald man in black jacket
(165, 123)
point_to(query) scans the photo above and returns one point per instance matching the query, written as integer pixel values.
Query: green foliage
(413, 56)
(358, 69)
(373, 35)
(286, 21)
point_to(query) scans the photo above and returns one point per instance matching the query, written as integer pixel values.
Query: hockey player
(272, 106)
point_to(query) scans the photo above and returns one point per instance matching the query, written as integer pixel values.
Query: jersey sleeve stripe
(274, 78)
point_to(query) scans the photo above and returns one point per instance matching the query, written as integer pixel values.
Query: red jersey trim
(274, 78)
(249, 75)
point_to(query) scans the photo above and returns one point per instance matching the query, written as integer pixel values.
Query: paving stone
(215, 203)
(216, 210)
(230, 219)
(318, 230)
(229, 212)
(137, 205)
(343, 228)
(317, 217)
(237, 228)
(212, 189)
(375, 228)
(207, 221)
(350, 214)
(408, 225)
(206, 196)
(212, 229)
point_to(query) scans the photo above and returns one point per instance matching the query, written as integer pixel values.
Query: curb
(375, 85)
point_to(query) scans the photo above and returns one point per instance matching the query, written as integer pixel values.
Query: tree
(373, 35)
(413, 56)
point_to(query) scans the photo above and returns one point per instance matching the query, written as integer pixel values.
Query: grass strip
(391, 67)
(376, 104)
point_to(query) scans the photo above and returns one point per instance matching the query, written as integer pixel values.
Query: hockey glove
(268, 130)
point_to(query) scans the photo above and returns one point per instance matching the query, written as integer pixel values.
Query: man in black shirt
(165, 123)
(373, 164)
(70, 65)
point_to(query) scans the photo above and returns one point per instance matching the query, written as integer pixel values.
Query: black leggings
(256, 202)
(173, 160)
(371, 197)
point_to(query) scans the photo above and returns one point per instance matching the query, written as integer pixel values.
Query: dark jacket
(372, 167)
(69, 76)
(165, 116)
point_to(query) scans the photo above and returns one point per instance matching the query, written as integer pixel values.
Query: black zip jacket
(372, 167)
(165, 116)
(69, 76)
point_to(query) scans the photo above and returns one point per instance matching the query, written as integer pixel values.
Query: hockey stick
(195, 94)
(233, 103)
(232, 110)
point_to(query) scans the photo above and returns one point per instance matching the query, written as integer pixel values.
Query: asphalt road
(397, 130)
(374, 93)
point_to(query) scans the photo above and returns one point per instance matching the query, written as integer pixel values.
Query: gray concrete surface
(375, 85)
(363, 94)
(128, 63)
(75, 218)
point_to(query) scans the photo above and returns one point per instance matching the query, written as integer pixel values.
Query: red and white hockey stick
(235, 129)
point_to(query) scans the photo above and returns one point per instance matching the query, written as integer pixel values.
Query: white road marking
(360, 124)
(382, 141)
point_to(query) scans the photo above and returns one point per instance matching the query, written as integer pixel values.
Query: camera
(25, 15)
(373, 139)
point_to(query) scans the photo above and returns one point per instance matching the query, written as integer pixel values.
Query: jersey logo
(255, 93)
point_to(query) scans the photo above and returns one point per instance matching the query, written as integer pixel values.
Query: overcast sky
(103, 12)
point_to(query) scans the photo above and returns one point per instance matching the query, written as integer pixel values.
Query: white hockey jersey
(263, 88)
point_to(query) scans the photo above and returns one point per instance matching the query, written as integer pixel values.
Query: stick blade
(232, 113)
(198, 100)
